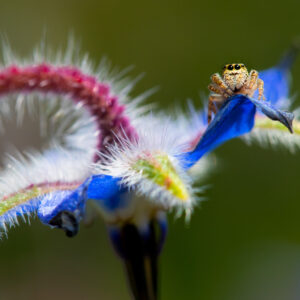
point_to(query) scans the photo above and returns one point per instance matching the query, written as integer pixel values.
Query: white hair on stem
(273, 138)
(157, 134)
(118, 80)
(70, 129)
(272, 134)
(72, 142)
(73, 134)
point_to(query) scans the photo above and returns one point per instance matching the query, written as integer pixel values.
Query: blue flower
(138, 176)
(147, 174)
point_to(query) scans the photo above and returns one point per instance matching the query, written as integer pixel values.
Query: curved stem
(81, 88)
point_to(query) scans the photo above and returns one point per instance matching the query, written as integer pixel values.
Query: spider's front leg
(212, 108)
(219, 86)
(253, 84)
(260, 86)
(253, 77)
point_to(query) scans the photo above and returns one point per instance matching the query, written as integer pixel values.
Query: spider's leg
(214, 88)
(253, 80)
(225, 90)
(212, 108)
(260, 86)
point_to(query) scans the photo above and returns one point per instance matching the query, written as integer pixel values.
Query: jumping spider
(235, 80)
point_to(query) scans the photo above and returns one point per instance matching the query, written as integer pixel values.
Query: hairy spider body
(234, 80)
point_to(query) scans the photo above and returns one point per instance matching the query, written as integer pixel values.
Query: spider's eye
(230, 67)
(242, 66)
(237, 67)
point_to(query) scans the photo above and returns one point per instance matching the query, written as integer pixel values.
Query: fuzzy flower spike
(106, 150)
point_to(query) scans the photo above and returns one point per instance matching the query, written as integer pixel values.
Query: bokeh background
(244, 242)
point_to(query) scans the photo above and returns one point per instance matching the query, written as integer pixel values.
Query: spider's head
(235, 69)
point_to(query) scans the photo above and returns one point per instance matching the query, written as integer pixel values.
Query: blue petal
(276, 84)
(54, 203)
(236, 117)
(103, 187)
(108, 192)
(52, 207)
(286, 118)
(64, 209)
(277, 80)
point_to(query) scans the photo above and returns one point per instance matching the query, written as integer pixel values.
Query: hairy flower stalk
(81, 88)
(130, 165)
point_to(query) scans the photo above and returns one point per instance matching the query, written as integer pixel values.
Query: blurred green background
(244, 242)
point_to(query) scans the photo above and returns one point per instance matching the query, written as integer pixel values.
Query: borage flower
(131, 165)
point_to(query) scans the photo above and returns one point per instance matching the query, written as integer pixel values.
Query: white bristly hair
(71, 130)
(72, 134)
(72, 143)
(156, 134)
(273, 138)
(118, 80)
